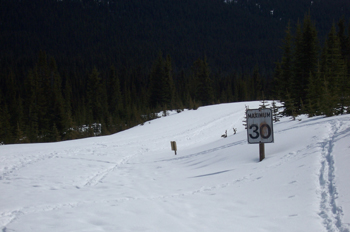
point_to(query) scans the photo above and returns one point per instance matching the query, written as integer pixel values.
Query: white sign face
(259, 126)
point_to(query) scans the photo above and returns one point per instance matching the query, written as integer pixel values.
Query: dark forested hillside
(69, 63)
(132, 32)
(233, 36)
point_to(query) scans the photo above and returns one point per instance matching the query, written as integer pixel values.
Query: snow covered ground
(132, 181)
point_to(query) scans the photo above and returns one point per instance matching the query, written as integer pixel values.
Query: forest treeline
(313, 79)
(49, 106)
(73, 69)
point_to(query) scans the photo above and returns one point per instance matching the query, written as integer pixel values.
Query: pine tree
(275, 112)
(283, 72)
(57, 107)
(204, 90)
(10, 97)
(20, 133)
(96, 97)
(245, 117)
(328, 100)
(334, 72)
(115, 99)
(278, 91)
(68, 95)
(157, 85)
(162, 87)
(289, 106)
(314, 92)
(305, 60)
(257, 85)
(169, 87)
(54, 134)
(32, 92)
(7, 130)
(343, 39)
(44, 81)
(72, 131)
(264, 104)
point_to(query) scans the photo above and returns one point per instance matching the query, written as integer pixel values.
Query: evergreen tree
(275, 112)
(33, 108)
(44, 81)
(157, 84)
(57, 106)
(328, 100)
(20, 121)
(162, 87)
(20, 138)
(7, 131)
(297, 71)
(96, 98)
(245, 120)
(264, 104)
(334, 72)
(204, 90)
(257, 85)
(72, 131)
(11, 97)
(54, 134)
(314, 93)
(115, 99)
(343, 39)
(169, 87)
(289, 106)
(278, 91)
(283, 72)
(305, 60)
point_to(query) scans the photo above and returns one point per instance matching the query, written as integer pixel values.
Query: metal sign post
(260, 128)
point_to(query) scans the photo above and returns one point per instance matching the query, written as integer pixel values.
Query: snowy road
(132, 181)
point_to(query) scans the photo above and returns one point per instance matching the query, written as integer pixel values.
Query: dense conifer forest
(76, 68)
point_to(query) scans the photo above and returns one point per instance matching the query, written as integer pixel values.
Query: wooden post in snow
(173, 146)
(261, 151)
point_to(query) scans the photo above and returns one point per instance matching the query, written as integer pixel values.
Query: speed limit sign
(259, 126)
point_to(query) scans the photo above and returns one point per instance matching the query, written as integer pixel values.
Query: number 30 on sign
(259, 126)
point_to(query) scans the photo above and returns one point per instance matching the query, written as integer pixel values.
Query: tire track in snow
(6, 218)
(99, 176)
(23, 161)
(329, 210)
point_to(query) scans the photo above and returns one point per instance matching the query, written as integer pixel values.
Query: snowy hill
(132, 181)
